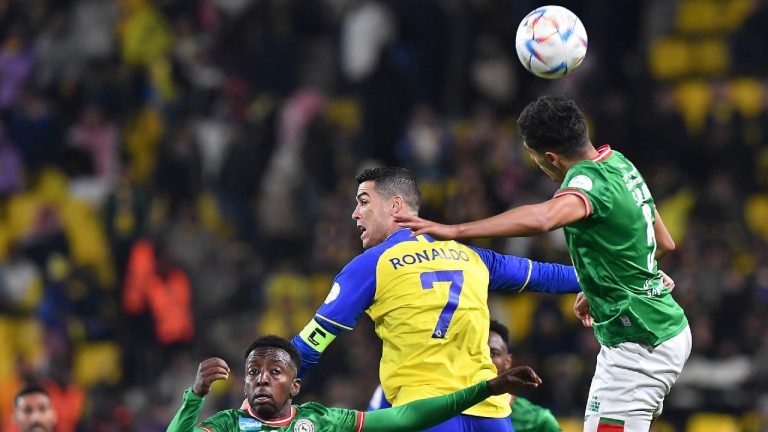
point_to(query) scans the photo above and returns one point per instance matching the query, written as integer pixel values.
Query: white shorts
(631, 381)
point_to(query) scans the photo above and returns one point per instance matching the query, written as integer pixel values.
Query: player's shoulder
(370, 257)
(230, 417)
(314, 409)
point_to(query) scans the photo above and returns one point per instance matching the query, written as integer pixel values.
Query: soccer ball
(551, 42)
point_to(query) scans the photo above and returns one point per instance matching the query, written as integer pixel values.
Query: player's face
(373, 215)
(270, 382)
(547, 163)
(499, 354)
(33, 413)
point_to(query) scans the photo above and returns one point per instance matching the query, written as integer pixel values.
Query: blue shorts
(468, 423)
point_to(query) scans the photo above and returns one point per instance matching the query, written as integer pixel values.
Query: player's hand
(513, 378)
(210, 370)
(422, 226)
(581, 309)
(667, 281)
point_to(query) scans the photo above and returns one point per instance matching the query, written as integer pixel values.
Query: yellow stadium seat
(97, 362)
(519, 311)
(698, 16)
(751, 421)
(571, 424)
(747, 95)
(712, 422)
(344, 113)
(694, 101)
(756, 214)
(566, 306)
(735, 12)
(710, 56)
(675, 210)
(669, 58)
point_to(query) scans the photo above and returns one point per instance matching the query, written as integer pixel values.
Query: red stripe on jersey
(603, 153)
(609, 427)
(360, 421)
(579, 194)
(205, 429)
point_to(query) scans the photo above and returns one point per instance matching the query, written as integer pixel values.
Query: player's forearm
(553, 278)
(664, 242)
(425, 413)
(519, 222)
(186, 417)
(311, 343)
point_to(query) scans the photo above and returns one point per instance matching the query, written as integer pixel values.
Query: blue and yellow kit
(428, 300)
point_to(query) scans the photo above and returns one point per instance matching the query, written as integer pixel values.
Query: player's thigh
(622, 396)
(640, 422)
(631, 382)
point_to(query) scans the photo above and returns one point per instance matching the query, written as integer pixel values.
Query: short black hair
(501, 330)
(30, 388)
(272, 341)
(391, 181)
(554, 123)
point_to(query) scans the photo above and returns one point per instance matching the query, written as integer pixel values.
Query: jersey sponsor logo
(594, 404)
(334, 293)
(625, 320)
(582, 182)
(304, 425)
(249, 424)
(429, 255)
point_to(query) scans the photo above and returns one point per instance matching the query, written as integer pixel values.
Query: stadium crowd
(177, 177)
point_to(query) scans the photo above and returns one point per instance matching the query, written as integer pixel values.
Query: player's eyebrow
(360, 195)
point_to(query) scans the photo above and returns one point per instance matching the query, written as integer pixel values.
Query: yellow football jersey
(428, 300)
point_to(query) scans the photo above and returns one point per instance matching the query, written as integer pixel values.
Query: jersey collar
(279, 422)
(603, 153)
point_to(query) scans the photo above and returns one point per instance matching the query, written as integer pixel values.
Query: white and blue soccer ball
(551, 42)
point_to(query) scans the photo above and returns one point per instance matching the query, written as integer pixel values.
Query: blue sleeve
(515, 274)
(351, 294)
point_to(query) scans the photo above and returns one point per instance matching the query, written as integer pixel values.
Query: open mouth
(362, 230)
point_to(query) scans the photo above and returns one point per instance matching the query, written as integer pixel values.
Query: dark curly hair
(272, 341)
(554, 123)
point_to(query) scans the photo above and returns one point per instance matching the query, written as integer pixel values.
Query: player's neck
(589, 153)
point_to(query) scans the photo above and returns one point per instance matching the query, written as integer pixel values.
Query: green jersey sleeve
(528, 417)
(424, 413)
(185, 419)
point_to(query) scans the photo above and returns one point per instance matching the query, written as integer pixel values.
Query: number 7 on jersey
(456, 278)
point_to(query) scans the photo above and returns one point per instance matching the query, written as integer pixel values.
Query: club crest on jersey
(334, 293)
(304, 425)
(249, 424)
(582, 182)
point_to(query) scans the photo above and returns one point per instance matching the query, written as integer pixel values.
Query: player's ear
(295, 387)
(398, 204)
(553, 158)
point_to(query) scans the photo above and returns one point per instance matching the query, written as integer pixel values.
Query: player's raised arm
(425, 413)
(186, 418)
(522, 221)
